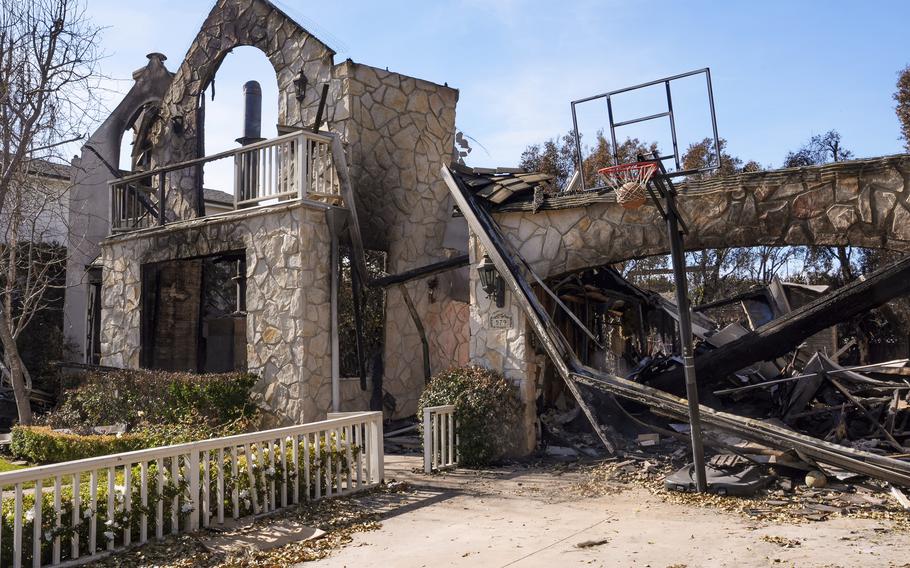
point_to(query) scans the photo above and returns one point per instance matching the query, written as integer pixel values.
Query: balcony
(300, 165)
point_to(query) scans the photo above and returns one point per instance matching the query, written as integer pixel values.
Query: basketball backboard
(646, 112)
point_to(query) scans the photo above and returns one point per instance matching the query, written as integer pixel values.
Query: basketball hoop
(630, 182)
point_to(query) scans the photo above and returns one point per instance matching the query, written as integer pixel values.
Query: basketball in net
(630, 182)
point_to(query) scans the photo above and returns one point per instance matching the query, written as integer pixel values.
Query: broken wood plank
(894, 443)
(900, 497)
(766, 384)
(779, 336)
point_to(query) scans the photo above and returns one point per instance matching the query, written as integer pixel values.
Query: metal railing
(298, 165)
(440, 442)
(91, 507)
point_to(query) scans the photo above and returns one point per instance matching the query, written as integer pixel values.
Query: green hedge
(133, 397)
(158, 409)
(487, 411)
(40, 444)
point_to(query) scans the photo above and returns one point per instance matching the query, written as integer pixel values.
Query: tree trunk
(16, 372)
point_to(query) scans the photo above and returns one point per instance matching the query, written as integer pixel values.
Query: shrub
(40, 444)
(132, 397)
(487, 411)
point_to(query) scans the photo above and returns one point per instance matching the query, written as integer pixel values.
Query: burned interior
(193, 314)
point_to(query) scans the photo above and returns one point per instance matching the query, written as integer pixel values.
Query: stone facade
(504, 346)
(397, 131)
(232, 23)
(860, 203)
(287, 297)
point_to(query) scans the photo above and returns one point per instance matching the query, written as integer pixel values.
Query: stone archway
(861, 203)
(292, 51)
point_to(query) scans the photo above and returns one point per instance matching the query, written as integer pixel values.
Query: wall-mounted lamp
(490, 280)
(300, 84)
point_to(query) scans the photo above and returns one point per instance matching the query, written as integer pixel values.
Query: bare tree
(48, 72)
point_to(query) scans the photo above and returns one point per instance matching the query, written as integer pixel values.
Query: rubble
(784, 499)
(857, 445)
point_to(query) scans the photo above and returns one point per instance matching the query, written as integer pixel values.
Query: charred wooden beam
(865, 463)
(421, 272)
(484, 227)
(347, 194)
(781, 335)
(747, 295)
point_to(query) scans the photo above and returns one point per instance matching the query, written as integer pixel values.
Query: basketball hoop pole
(675, 232)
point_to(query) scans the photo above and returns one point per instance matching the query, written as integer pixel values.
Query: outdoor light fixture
(490, 280)
(300, 85)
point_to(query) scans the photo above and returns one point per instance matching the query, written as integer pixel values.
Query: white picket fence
(126, 499)
(440, 442)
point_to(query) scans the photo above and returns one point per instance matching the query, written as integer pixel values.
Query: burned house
(166, 278)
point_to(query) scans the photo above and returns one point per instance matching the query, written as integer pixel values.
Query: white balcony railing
(440, 442)
(279, 168)
(299, 165)
(75, 512)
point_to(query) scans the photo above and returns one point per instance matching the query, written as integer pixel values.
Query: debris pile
(830, 421)
(784, 495)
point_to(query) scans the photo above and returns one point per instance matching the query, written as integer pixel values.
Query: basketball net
(629, 182)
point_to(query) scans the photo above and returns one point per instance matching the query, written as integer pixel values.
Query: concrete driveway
(526, 517)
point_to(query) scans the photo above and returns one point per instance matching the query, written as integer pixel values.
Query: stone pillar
(500, 341)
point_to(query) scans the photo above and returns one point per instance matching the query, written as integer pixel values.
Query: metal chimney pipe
(252, 113)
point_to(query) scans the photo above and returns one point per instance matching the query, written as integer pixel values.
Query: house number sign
(500, 321)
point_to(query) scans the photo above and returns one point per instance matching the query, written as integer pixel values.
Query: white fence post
(440, 444)
(194, 490)
(427, 441)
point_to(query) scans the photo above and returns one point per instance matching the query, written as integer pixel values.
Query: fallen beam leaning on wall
(512, 267)
(421, 272)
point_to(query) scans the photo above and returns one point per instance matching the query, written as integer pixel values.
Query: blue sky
(782, 71)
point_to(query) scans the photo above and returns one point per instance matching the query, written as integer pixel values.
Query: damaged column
(499, 341)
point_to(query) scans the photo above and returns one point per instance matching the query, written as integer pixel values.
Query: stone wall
(287, 296)
(505, 347)
(860, 203)
(399, 133)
